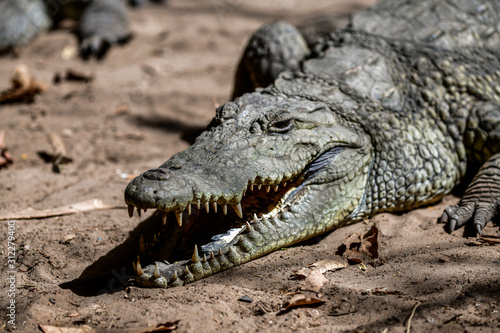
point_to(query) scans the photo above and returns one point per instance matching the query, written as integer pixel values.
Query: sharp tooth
(238, 210)
(284, 184)
(198, 204)
(130, 210)
(142, 245)
(276, 188)
(156, 273)
(145, 210)
(255, 218)
(164, 218)
(139, 212)
(224, 209)
(195, 257)
(207, 206)
(179, 218)
(214, 205)
(134, 266)
(189, 209)
(251, 187)
(259, 186)
(268, 188)
(138, 266)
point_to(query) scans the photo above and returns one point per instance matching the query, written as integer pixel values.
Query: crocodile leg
(274, 48)
(481, 201)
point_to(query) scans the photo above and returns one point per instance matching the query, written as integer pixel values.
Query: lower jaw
(246, 239)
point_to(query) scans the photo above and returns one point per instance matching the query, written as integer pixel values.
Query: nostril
(157, 174)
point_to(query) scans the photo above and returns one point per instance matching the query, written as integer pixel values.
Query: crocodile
(388, 114)
(102, 23)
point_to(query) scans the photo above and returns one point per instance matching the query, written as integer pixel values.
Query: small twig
(84, 206)
(411, 316)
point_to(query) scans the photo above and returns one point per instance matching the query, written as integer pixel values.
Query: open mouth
(203, 237)
(211, 227)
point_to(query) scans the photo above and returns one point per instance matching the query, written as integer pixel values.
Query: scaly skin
(367, 124)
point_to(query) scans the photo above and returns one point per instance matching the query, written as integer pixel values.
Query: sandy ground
(148, 101)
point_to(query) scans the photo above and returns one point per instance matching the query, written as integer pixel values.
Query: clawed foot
(477, 213)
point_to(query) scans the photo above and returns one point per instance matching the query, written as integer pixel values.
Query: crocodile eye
(281, 125)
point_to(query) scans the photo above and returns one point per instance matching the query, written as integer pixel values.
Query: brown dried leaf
(314, 281)
(357, 249)
(77, 75)
(5, 158)
(23, 87)
(56, 329)
(490, 239)
(57, 144)
(300, 300)
(163, 327)
(329, 265)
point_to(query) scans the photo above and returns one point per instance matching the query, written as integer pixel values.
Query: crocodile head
(268, 172)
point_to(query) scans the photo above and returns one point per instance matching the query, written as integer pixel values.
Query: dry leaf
(164, 327)
(23, 87)
(358, 249)
(56, 329)
(329, 265)
(314, 281)
(313, 274)
(84, 206)
(77, 75)
(5, 158)
(58, 157)
(490, 239)
(300, 300)
(69, 237)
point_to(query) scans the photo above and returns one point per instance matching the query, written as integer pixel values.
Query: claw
(452, 225)
(479, 229)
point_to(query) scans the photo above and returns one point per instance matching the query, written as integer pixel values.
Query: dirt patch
(147, 101)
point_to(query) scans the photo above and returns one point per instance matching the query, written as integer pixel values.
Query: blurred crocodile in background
(386, 115)
(102, 23)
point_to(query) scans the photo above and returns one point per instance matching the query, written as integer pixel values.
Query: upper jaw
(179, 191)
